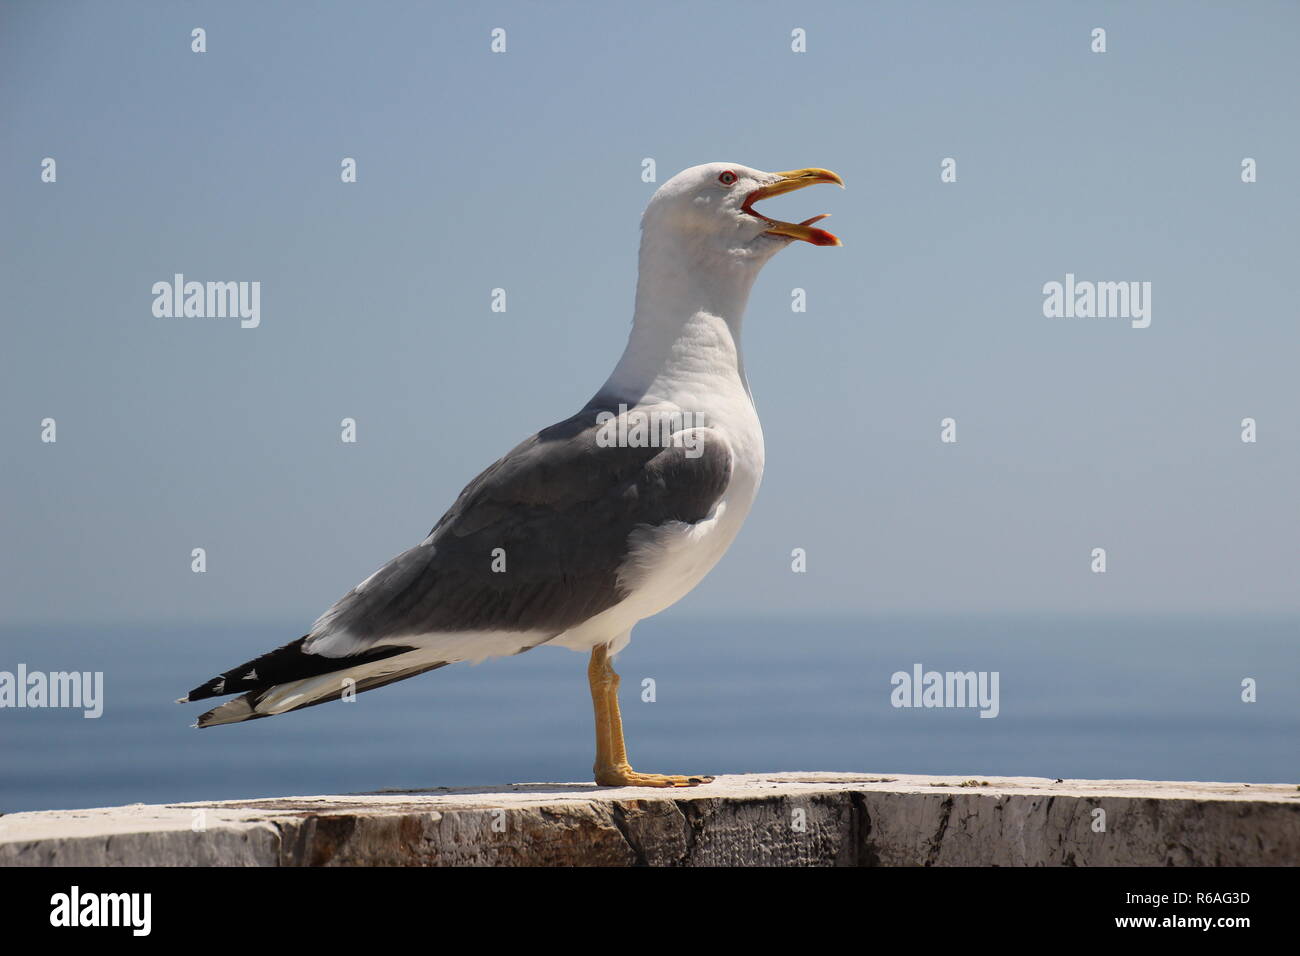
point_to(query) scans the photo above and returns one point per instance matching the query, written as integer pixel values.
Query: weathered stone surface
(791, 819)
(136, 835)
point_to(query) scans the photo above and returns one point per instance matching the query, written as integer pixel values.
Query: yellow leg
(600, 703)
(612, 768)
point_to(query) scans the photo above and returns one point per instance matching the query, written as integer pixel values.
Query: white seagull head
(711, 207)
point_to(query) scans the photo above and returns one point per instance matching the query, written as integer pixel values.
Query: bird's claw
(625, 776)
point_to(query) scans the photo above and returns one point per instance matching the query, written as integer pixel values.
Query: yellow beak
(789, 182)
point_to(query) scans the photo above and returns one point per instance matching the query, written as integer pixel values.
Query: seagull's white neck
(685, 340)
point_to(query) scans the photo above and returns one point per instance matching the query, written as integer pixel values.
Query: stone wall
(786, 819)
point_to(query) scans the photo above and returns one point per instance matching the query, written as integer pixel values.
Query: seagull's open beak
(790, 181)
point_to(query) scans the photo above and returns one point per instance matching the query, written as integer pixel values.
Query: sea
(1150, 697)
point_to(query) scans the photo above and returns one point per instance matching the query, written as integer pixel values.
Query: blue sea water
(1079, 698)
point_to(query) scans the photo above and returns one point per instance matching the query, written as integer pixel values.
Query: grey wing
(553, 518)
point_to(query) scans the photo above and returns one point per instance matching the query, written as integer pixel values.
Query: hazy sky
(522, 170)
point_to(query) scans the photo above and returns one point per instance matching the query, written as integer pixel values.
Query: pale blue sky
(522, 170)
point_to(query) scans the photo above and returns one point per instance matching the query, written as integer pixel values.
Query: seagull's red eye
(727, 177)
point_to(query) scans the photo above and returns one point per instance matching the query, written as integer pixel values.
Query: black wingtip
(257, 674)
(284, 664)
(213, 688)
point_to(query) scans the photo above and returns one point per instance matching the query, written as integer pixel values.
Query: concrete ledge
(783, 819)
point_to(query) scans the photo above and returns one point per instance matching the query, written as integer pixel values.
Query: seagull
(595, 523)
